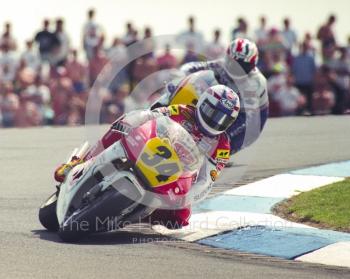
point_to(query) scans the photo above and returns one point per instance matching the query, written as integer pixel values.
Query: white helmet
(241, 57)
(217, 109)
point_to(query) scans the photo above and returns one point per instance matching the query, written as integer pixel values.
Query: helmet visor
(214, 118)
(237, 67)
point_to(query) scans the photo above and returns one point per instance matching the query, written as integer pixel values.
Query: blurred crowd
(48, 82)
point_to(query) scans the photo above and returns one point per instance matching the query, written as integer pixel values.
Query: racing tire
(108, 205)
(47, 214)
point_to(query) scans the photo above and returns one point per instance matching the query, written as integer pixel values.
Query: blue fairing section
(264, 114)
(246, 129)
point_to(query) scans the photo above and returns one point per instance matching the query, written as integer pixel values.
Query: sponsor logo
(227, 103)
(184, 154)
(174, 110)
(223, 154)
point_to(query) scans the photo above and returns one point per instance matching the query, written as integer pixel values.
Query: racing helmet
(241, 57)
(216, 110)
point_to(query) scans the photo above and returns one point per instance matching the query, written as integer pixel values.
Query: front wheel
(100, 215)
(47, 214)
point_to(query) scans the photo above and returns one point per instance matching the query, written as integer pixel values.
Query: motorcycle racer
(238, 71)
(217, 109)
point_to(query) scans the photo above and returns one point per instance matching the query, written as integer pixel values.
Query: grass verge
(325, 207)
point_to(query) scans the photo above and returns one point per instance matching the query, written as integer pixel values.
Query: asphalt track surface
(28, 156)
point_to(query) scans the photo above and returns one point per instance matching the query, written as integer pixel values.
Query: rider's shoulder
(258, 77)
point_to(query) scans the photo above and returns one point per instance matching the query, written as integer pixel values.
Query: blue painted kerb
(288, 243)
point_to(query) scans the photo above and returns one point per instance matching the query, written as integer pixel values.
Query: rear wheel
(47, 214)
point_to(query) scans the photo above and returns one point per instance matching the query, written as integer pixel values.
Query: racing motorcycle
(152, 166)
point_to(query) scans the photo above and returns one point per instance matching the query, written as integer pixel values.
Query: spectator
(215, 49)
(129, 37)
(90, 25)
(148, 43)
(192, 37)
(309, 45)
(133, 52)
(275, 44)
(304, 69)
(289, 35)
(47, 41)
(28, 113)
(24, 76)
(190, 55)
(276, 63)
(261, 34)
(118, 51)
(26, 82)
(323, 99)
(328, 77)
(6, 39)
(327, 38)
(322, 102)
(144, 67)
(339, 62)
(341, 67)
(92, 34)
(116, 106)
(8, 65)
(61, 52)
(118, 54)
(290, 101)
(40, 95)
(9, 104)
(61, 92)
(277, 79)
(91, 41)
(275, 83)
(167, 60)
(75, 112)
(131, 40)
(241, 31)
(30, 57)
(77, 72)
(96, 64)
